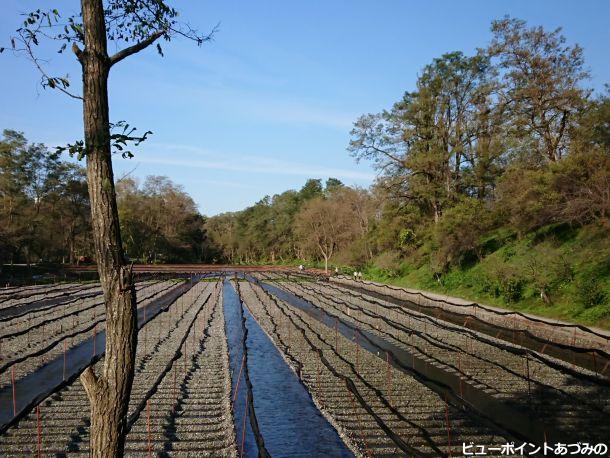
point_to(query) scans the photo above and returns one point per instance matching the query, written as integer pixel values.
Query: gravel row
(568, 402)
(187, 412)
(544, 329)
(389, 414)
(74, 319)
(180, 402)
(40, 293)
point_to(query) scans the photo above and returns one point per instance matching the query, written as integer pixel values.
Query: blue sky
(270, 102)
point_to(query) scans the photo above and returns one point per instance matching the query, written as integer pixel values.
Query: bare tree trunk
(109, 391)
(437, 212)
(71, 254)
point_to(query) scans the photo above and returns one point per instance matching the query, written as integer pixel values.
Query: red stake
(388, 376)
(94, 338)
(243, 428)
(336, 334)
(39, 431)
(514, 327)
(65, 343)
(194, 339)
(573, 345)
(460, 371)
(357, 351)
(238, 379)
(186, 352)
(42, 356)
(318, 383)
(175, 395)
(148, 427)
(448, 425)
(14, 392)
(366, 447)
(527, 363)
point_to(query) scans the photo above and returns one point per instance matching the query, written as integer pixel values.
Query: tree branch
(119, 56)
(46, 79)
(78, 52)
(90, 382)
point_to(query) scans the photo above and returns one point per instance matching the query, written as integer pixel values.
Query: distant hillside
(493, 184)
(558, 271)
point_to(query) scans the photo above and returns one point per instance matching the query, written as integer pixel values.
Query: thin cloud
(222, 183)
(252, 104)
(276, 109)
(261, 165)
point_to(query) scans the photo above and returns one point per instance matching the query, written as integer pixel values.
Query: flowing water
(288, 420)
(516, 421)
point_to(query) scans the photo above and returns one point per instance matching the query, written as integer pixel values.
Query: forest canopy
(493, 182)
(45, 215)
(504, 150)
(510, 137)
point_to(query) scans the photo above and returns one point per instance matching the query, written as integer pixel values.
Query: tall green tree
(439, 141)
(160, 221)
(38, 192)
(542, 79)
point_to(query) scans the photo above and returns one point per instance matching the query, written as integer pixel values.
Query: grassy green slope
(571, 265)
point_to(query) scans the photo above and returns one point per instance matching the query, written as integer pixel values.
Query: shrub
(505, 281)
(388, 263)
(590, 291)
(548, 269)
(460, 231)
(528, 198)
(406, 238)
(597, 313)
